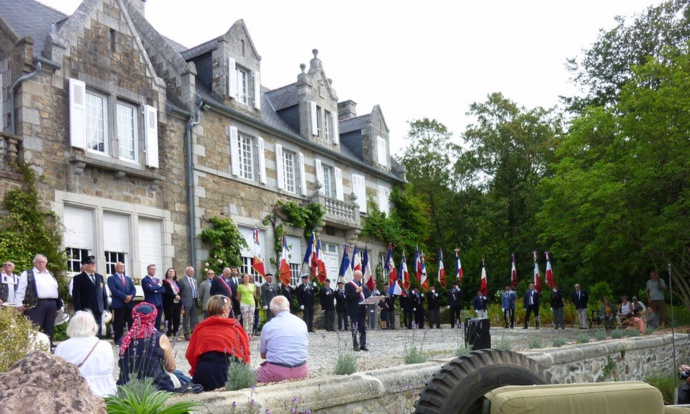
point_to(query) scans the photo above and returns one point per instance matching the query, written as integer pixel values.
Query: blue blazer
(119, 292)
(86, 295)
(153, 293)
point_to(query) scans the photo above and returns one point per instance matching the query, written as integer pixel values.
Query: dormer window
(244, 85)
(327, 128)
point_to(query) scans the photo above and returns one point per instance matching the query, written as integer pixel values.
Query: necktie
(93, 279)
(578, 294)
(122, 277)
(191, 283)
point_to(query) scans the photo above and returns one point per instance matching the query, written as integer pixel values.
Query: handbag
(89, 354)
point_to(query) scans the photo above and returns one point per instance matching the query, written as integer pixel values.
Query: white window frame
(289, 171)
(128, 144)
(359, 187)
(242, 75)
(329, 186)
(384, 199)
(315, 122)
(245, 158)
(327, 120)
(94, 115)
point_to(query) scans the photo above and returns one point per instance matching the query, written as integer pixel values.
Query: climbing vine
(226, 243)
(292, 214)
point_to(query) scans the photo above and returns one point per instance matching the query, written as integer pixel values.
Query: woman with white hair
(93, 357)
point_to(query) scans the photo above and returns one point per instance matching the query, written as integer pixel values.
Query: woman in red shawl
(216, 342)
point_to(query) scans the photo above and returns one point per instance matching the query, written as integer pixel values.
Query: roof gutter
(14, 87)
(194, 119)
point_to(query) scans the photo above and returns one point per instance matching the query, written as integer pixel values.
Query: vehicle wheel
(459, 387)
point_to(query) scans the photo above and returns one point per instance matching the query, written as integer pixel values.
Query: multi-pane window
(96, 121)
(247, 268)
(74, 258)
(127, 131)
(295, 274)
(242, 85)
(329, 181)
(246, 156)
(327, 127)
(289, 171)
(111, 259)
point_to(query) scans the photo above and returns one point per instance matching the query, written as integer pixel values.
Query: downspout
(191, 228)
(14, 86)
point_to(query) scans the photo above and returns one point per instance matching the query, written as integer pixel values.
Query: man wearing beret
(305, 299)
(88, 290)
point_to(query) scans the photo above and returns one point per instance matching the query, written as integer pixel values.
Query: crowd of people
(231, 303)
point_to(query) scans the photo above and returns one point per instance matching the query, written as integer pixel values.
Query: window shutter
(336, 137)
(116, 226)
(302, 175)
(279, 166)
(262, 160)
(339, 184)
(382, 151)
(384, 193)
(257, 90)
(319, 175)
(77, 113)
(150, 244)
(314, 119)
(151, 121)
(78, 224)
(232, 79)
(234, 151)
(359, 187)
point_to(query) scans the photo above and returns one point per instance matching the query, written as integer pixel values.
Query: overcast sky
(419, 59)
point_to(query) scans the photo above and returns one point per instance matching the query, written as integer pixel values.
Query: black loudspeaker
(477, 334)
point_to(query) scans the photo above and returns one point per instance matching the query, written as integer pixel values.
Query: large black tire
(459, 387)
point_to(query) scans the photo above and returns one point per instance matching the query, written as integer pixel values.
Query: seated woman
(639, 309)
(93, 357)
(634, 323)
(652, 318)
(217, 341)
(607, 314)
(145, 352)
(624, 309)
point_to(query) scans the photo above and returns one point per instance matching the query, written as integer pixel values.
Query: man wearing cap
(305, 300)
(454, 304)
(356, 292)
(340, 304)
(123, 291)
(88, 291)
(326, 298)
(153, 292)
(268, 292)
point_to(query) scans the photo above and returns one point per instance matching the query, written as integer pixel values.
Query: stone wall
(394, 390)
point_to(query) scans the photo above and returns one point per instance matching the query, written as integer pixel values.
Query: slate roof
(178, 47)
(354, 124)
(201, 49)
(30, 18)
(284, 97)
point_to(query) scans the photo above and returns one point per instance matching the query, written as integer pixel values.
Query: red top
(220, 335)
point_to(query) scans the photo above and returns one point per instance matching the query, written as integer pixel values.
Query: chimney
(346, 110)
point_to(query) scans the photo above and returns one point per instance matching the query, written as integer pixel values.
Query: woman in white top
(93, 357)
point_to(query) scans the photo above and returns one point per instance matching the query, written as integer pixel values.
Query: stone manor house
(141, 139)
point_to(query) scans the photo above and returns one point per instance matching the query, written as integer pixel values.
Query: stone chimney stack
(346, 110)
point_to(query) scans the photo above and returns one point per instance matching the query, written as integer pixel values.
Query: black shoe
(356, 349)
(364, 348)
(524, 327)
(311, 330)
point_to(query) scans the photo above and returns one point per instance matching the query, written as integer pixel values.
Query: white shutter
(234, 151)
(359, 187)
(302, 175)
(116, 231)
(248, 235)
(2, 114)
(257, 90)
(336, 136)
(319, 176)
(382, 151)
(232, 79)
(339, 184)
(295, 246)
(78, 227)
(77, 113)
(314, 119)
(150, 245)
(151, 121)
(262, 160)
(384, 194)
(279, 167)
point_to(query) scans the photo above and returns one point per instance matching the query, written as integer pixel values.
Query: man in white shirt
(38, 297)
(8, 284)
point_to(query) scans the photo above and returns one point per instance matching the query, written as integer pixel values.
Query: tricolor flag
(284, 267)
(549, 272)
(390, 265)
(484, 285)
(418, 265)
(441, 270)
(458, 267)
(310, 255)
(395, 289)
(345, 269)
(513, 273)
(425, 281)
(366, 269)
(537, 277)
(320, 263)
(404, 274)
(356, 260)
(258, 261)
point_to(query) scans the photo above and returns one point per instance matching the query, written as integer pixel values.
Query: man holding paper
(356, 292)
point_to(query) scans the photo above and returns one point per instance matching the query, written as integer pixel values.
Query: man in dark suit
(390, 302)
(88, 291)
(531, 303)
(153, 291)
(355, 292)
(454, 304)
(123, 292)
(268, 292)
(418, 307)
(408, 313)
(340, 304)
(326, 298)
(235, 280)
(190, 301)
(221, 284)
(286, 290)
(305, 300)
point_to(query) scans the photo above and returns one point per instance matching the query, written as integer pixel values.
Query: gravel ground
(387, 348)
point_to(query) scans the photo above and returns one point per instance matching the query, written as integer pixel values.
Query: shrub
(600, 335)
(462, 350)
(240, 376)
(141, 397)
(16, 333)
(346, 364)
(632, 332)
(582, 338)
(616, 334)
(415, 355)
(559, 342)
(665, 384)
(504, 344)
(649, 330)
(534, 343)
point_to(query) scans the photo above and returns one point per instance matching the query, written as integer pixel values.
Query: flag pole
(673, 337)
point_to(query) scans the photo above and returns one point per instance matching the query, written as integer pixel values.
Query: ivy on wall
(292, 214)
(226, 243)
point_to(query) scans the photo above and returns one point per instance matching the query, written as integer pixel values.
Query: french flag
(441, 270)
(549, 272)
(537, 277)
(284, 268)
(404, 274)
(513, 273)
(458, 274)
(390, 265)
(366, 266)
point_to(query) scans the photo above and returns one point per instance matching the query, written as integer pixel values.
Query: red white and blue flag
(418, 265)
(537, 276)
(345, 268)
(320, 263)
(356, 260)
(549, 272)
(395, 289)
(404, 274)
(390, 265)
(441, 270)
(258, 261)
(513, 273)
(484, 284)
(458, 266)
(425, 280)
(284, 267)
(366, 269)
(310, 255)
